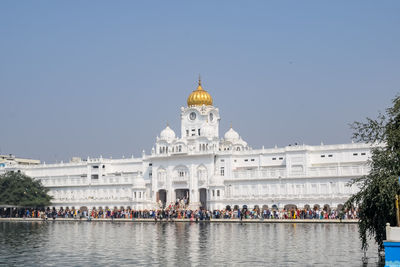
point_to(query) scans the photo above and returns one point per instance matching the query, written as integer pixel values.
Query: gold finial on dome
(199, 97)
(199, 84)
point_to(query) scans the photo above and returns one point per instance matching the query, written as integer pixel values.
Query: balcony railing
(180, 179)
(89, 199)
(338, 171)
(254, 174)
(274, 173)
(84, 181)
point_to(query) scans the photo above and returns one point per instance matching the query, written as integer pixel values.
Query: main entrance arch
(182, 197)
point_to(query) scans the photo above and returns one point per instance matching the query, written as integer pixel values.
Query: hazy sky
(90, 78)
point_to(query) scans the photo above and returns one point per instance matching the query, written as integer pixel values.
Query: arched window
(161, 174)
(181, 171)
(202, 173)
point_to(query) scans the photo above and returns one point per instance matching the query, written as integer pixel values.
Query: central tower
(200, 119)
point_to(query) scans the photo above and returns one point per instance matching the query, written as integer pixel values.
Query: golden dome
(199, 97)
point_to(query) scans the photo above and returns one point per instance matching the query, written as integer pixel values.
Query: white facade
(212, 172)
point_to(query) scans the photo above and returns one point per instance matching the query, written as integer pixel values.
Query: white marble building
(210, 171)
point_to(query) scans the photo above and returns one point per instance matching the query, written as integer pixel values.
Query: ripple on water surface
(180, 244)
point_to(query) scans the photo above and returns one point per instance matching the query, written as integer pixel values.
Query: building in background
(11, 160)
(204, 170)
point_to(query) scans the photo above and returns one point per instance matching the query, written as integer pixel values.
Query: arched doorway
(327, 208)
(203, 198)
(182, 197)
(84, 211)
(290, 207)
(162, 197)
(83, 208)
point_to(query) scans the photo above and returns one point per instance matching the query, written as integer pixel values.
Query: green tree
(378, 189)
(21, 190)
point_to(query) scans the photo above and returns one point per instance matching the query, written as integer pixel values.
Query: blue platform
(392, 254)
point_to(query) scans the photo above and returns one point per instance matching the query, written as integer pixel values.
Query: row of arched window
(183, 172)
(237, 148)
(165, 149)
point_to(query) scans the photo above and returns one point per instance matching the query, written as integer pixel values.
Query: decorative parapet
(333, 171)
(179, 179)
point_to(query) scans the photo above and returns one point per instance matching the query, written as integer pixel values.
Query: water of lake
(180, 244)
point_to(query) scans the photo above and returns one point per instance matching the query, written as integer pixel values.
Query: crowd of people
(173, 212)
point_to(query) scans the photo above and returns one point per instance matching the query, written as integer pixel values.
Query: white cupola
(231, 136)
(167, 134)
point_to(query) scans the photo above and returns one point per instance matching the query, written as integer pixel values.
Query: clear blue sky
(90, 78)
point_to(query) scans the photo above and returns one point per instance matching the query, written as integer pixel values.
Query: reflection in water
(180, 244)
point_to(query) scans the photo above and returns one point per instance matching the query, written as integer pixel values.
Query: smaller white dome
(231, 135)
(167, 134)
